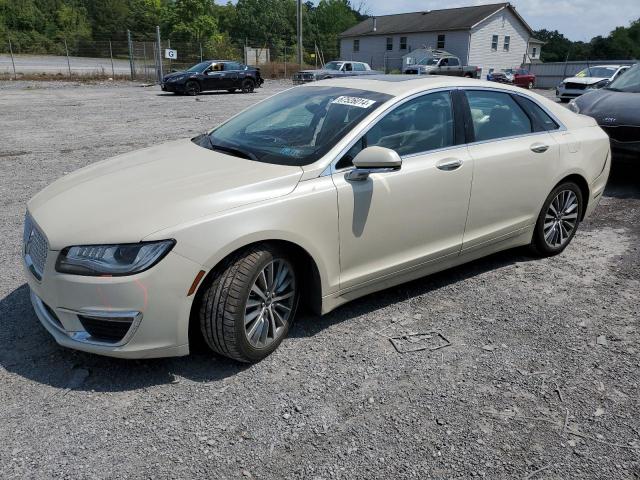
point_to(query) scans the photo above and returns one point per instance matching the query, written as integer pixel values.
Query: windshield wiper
(238, 152)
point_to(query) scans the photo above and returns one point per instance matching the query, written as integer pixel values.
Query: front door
(213, 77)
(403, 219)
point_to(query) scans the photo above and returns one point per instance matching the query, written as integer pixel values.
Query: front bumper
(155, 303)
(172, 87)
(301, 79)
(625, 151)
(571, 92)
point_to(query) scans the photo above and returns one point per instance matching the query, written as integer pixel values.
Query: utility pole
(160, 74)
(299, 29)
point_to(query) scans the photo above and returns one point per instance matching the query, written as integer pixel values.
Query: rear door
(515, 164)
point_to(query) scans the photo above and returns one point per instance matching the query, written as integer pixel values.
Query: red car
(523, 78)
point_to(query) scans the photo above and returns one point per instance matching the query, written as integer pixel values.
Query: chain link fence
(139, 58)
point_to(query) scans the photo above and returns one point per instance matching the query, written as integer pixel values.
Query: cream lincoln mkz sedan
(318, 195)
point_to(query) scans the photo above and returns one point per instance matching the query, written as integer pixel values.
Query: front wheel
(558, 220)
(247, 310)
(192, 88)
(530, 86)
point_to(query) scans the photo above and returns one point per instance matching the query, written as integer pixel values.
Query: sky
(575, 19)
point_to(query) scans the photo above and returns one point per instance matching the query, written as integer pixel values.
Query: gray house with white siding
(492, 37)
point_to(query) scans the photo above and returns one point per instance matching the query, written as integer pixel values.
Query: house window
(440, 43)
(356, 45)
(534, 52)
(507, 41)
(403, 43)
(494, 42)
(389, 43)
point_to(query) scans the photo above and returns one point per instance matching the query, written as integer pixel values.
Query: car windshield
(428, 61)
(295, 127)
(629, 81)
(333, 66)
(199, 67)
(601, 72)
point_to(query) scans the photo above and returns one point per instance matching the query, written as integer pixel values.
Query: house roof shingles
(462, 18)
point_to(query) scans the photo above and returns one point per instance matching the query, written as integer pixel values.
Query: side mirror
(374, 160)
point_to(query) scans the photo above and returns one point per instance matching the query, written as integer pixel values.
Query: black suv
(213, 75)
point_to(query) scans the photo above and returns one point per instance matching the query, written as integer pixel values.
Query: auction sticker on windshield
(354, 101)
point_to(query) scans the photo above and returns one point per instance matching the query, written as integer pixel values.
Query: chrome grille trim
(35, 247)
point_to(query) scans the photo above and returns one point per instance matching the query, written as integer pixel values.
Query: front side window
(295, 127)
(507, 41)
(494, 42)
(419, 125)
(356, 45)
(629, 82)
(440, 43)
(347, 67)
(403, 43)
(496, 115)
(389, 43)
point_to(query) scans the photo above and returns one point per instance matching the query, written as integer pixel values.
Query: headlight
(600, 84)
(573, 106)
(112, 260)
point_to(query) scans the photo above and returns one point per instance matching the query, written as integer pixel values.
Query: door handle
(449, 164)
(539, 147)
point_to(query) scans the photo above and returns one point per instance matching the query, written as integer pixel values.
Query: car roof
(399, 85)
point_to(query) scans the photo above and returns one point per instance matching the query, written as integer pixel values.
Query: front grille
(411, 72)
(35, 247)
(624, 133)
(575, 86)
(106, 329)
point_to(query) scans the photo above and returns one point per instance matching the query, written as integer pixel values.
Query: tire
(467, 75)
(231, 90)
(564, 100)
(530, 85)
(192, 88)
(234, 319)
(558, 220)
(248, 85)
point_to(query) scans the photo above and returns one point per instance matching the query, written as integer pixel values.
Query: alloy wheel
(270, 303)
(561, 219)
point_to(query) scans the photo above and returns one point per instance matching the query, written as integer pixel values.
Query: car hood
(584, 80)
(320, 71)
(611, 108)
(177, 74)
(131, 196)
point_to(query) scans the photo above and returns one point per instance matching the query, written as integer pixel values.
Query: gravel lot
(541, 379)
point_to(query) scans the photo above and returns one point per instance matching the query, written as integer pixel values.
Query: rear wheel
(247, 310)
(192, 88)
(564, 100)
(248, 85)
(558, 220)
(467, 75)
(530, 85)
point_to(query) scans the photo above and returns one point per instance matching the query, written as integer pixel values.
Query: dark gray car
(616, 108)
(335, 69)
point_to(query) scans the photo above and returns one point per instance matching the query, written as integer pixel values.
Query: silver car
(591, 78)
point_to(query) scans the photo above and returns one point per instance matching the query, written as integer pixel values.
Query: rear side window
(541, 119)
(496, 115)
(453, 62)
(358, 67)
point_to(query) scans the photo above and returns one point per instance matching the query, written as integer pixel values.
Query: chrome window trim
(330, 170)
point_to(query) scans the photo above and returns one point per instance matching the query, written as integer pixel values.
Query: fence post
(113, 71)
(285, 61)
(68, 62)
(15, 75)
(201, 52)
(130, 44)
(144, 54)
(160, 74)
(169, 46)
